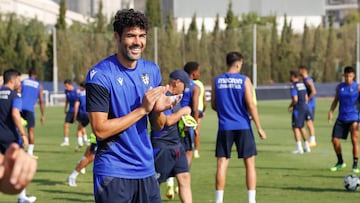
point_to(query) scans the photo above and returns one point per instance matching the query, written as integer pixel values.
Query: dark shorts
(188, 140)
(201, 114)
(83, 119)
(69, 118)
(298, 118)
(170, 162)
(120, 190)
(311, 114)
(93, 148)
(341, 129)
(29, 117)
(244, 141)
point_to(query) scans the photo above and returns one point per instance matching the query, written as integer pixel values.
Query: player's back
(30, 89)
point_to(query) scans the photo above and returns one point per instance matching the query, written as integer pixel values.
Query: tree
(192, 42)
(100, 19)
(153, 12)
(305, 51)
(274, 68)
(61, 23)
(329, 66)
(230, 19)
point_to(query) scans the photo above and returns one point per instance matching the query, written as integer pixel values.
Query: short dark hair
(303, 67)
(349, 69)
(68, 81)
(191, 66)
(32, 72)
(126, 18)
(9, 74)
(294, 73)
(233, 57)
(82, 84)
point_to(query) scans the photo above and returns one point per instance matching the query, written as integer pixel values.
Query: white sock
(74, 174)
(22, 194)
(196, 151)
(219, 195)
(66, 139)
(312, 138)
(170, 181)
(30, 149)
(306, 145)
(85, 137)
(299, 145)
(251, 196)
(80, 141)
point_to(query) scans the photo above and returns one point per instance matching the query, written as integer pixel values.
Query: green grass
(282, 176)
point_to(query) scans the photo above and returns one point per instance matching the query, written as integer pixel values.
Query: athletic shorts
(311, 114)
(188, 140)
(83, 119)
(93, 148)
(29, 117)
(69, 118)
(341, 129)
(244, 141)
(201, 114)
(109, 189)
(170, 162)
(298, 118)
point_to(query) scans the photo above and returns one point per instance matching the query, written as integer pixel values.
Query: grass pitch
(282, 176)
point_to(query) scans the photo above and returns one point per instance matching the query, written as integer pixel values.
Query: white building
(45, 11)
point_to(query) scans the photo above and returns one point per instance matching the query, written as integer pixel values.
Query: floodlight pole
(55, 68)
(254, 57)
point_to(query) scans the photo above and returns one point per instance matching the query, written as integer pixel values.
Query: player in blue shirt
(232, 99)
(31, 92)
(71, 93)
(121, 91)
(169, 153)
(311, 92)
(11, 129)
(81, 115)
(347, 95)
(299, 108)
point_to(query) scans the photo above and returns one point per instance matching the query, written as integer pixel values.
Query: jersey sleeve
(97, 92)
(17, 103)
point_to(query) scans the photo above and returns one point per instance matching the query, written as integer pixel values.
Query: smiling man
(121, 91)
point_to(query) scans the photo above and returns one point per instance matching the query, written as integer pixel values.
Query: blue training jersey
(113, 88)
(81, 97)
(299, 89)
(312, 100)
(187, 95)
(230, 102)
(169, 136)
(9, 99)
(71, 96)
(348, 96)
(30, 89)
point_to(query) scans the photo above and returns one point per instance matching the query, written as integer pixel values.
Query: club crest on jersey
(120, 80)
(92, 73)
(145, 78)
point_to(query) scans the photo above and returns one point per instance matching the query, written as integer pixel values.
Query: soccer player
(81, 115)
(299, 109)
(311, 92)
(232, 99)
(191, 99)
(71, 93)
(170, 157)
(347, 94)
(88, 158)
(11, 129)
(31, 92)
(194, 73)
(121, 91)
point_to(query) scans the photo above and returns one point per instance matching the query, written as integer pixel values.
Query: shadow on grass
(306, 189)
(47, 182)
(85, 197)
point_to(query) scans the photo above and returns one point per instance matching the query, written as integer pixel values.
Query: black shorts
(29, 117)
(93, 148)
(341, 129)
(69, 118)
(244, 141)
(188, 140)
(298, 118)
(109, 189)
(311, 114)
(83, 119)
(201, 114)
(170, 162)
